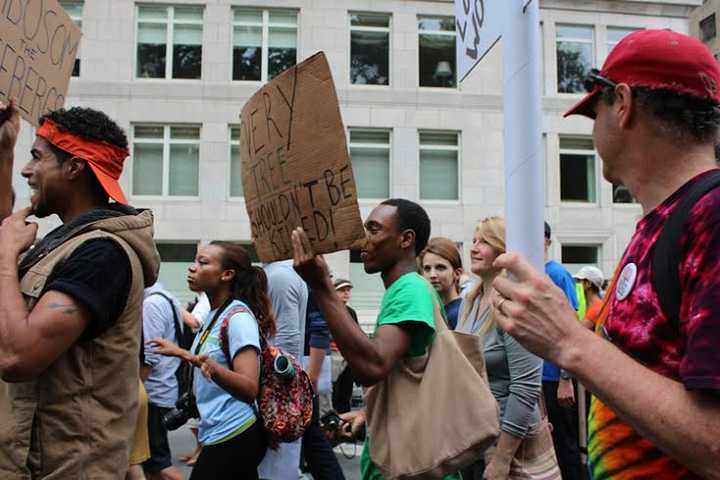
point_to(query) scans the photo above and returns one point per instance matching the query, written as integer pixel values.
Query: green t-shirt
(411, 300)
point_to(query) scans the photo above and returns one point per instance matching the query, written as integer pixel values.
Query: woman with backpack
(225, 352)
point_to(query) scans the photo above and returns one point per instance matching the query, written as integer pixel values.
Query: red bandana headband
(102, 155)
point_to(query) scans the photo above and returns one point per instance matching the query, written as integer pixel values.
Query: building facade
(704, 25)
(175, 74)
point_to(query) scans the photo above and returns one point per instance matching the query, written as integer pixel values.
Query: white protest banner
(479, 27)
(296, 170)
(38, 46)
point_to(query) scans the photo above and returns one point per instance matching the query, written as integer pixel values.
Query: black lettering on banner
(344, 181)
(19, 64)
(46, 29)
(309, 185)
(267, 103)
(282, 162)
(8, 11)
(34, 30)
(333, 190)
(28, 86)
(306, 228)
(478, 21)
(55, 43)
(321, 232)
(463, 28)
(290, 104)
(253, 129)
(3, 67)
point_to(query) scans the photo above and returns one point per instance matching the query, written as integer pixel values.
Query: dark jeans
(237, 458)
(160, 457)
(564, 433)
(317, 452)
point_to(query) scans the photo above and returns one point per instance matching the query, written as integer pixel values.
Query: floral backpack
(285, 398)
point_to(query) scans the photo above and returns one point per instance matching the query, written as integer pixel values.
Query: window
(437, 51)
(574, 57)
(574, 257)
(578, 180)
(236, 187)
(369, 49)
(370, 152)
(264, 43)
(175, 259)
(368, 290)
(438, 166)
(177, 29)
(74, 11)
(615, 34)
(166, 160)
(707, 28)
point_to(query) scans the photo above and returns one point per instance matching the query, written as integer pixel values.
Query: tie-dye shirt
(634, 321)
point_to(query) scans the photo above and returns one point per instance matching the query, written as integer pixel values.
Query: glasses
(595, 77)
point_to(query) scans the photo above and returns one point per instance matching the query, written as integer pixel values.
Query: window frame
(442, 33)
(231, 143)
(575, 151)
(166, 142)
(593, 54)
(78, 21)
(389, 146)
(265, 33)
(709, 19)
(169, 43)
(457, 148)
(591, 244)
(388, 30)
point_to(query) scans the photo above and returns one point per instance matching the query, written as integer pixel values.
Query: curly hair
(88, 123)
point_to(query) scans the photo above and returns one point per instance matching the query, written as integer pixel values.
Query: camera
(185, 409)
(330, 422)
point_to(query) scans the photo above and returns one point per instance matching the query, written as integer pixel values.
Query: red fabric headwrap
(105, 159)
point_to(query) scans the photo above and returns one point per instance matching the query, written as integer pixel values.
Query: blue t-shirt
(452, 310)
(221, 415)
(563, 279)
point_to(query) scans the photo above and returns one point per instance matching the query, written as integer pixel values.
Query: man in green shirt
(396, 231)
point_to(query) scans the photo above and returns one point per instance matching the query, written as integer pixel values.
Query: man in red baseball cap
(654, 370)
(71, 304)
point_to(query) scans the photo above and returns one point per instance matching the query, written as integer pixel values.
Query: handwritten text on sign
(479, 26)
(38, 46)
(296, 171)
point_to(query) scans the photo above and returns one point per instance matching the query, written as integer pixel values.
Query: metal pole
(524, 185)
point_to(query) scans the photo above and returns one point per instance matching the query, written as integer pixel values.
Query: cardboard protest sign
(38, 46)
(296, 170)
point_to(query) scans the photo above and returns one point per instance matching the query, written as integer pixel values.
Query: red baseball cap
(657, 59)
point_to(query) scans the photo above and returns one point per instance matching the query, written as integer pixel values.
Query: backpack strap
(666, 254)
(176, 321)
(224, 340)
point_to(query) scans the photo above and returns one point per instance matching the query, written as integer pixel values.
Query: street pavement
(182, 441)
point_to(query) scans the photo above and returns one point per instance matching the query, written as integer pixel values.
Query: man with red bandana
(656, 381)
(71, 304)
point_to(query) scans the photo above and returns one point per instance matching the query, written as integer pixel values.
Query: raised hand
(311, 267)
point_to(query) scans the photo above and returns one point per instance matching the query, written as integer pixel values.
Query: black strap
(176, 321)
(206, 331)
(666, 254)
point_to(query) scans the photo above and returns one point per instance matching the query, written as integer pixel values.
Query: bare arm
(499, 466)
(9, 130)
(317, 357)
(242, 382)
(684, 424)
(370, 360)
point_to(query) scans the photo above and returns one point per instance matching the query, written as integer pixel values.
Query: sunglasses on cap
(594, 77)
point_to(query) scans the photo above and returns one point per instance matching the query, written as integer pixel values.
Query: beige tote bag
(434, 414)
